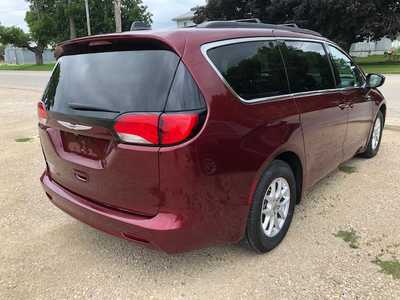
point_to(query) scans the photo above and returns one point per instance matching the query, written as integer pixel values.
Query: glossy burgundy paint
(100, 169)
(198, 193)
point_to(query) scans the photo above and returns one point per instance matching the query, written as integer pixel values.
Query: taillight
(156, 129)
(138, 128)
(176, 128)
(42, 113)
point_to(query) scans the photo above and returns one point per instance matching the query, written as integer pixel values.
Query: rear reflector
(156, 129)
(42, 113)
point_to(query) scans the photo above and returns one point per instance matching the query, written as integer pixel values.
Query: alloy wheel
(376, 134)
(275, 207)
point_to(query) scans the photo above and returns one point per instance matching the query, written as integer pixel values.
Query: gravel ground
(46, 254)
(391, 90)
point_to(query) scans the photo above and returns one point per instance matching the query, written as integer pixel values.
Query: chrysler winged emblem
(74, 126)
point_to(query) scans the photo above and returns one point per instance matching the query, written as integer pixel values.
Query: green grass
(381, 69)
(378, 64)
(45, 67)
(371, 59)
(347, 169)
(23, 140)
(389, 267)
(349, 236)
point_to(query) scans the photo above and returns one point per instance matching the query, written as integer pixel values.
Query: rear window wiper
(77, 106)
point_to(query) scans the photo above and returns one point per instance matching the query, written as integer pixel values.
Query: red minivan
(193, 137)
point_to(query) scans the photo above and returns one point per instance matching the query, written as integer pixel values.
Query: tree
(384, 20)
(53, 21)
(223, 10)
(117, 14)
(2, 54)
(2, 47)
(17, 37)
(134, 10)
(71, 19)
(41, 26)
(343, 21)
(102, 16)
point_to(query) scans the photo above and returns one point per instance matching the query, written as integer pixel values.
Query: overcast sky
(12, 12)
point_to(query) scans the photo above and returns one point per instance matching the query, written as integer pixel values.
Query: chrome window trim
(204, 49)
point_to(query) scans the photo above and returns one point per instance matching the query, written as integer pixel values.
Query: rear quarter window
(254, 70)
(184, 94)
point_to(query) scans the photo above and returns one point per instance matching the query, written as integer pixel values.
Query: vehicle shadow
(102, 246)
(96, 249)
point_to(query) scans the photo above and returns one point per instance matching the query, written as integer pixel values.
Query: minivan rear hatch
(87, 91)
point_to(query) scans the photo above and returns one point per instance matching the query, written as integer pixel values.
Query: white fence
(20, 56)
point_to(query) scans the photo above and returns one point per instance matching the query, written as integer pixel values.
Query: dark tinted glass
(254, 69)
(185, 94)
(116, 81)
(308, 66)
(346, 73)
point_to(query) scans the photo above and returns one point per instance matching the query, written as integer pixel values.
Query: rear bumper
(165, 231)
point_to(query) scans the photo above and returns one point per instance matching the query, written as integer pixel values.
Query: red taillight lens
(156, 129)
(42, 113)
(138, 128)
(176, 128)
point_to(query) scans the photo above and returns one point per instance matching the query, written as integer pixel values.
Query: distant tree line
(343, 21)
(53, 21)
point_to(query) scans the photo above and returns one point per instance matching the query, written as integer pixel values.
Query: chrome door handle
(343, 106)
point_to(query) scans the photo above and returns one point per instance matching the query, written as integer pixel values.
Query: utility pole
(88, 17)
(117, 14)
(72, 27)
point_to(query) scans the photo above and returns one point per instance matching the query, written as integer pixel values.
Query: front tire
(374, 142)
(272, 209)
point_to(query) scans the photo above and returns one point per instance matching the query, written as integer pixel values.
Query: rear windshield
(120, 81)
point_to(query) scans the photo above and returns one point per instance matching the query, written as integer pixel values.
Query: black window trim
(216, 44)
(352, 61)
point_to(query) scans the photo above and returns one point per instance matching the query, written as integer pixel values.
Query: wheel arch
(382, 109)
(294, 162)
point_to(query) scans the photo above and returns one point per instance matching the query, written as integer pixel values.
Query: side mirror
(375, 80)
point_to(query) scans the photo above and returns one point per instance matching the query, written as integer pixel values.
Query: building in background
(185, 20)
(21, 56)
(366, 48)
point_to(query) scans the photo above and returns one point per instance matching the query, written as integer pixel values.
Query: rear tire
(375, 139)
(272, 209)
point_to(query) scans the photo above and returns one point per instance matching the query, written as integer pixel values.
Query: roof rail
(139, 25)
(253, 20)
(243, 24)
(290, 25)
